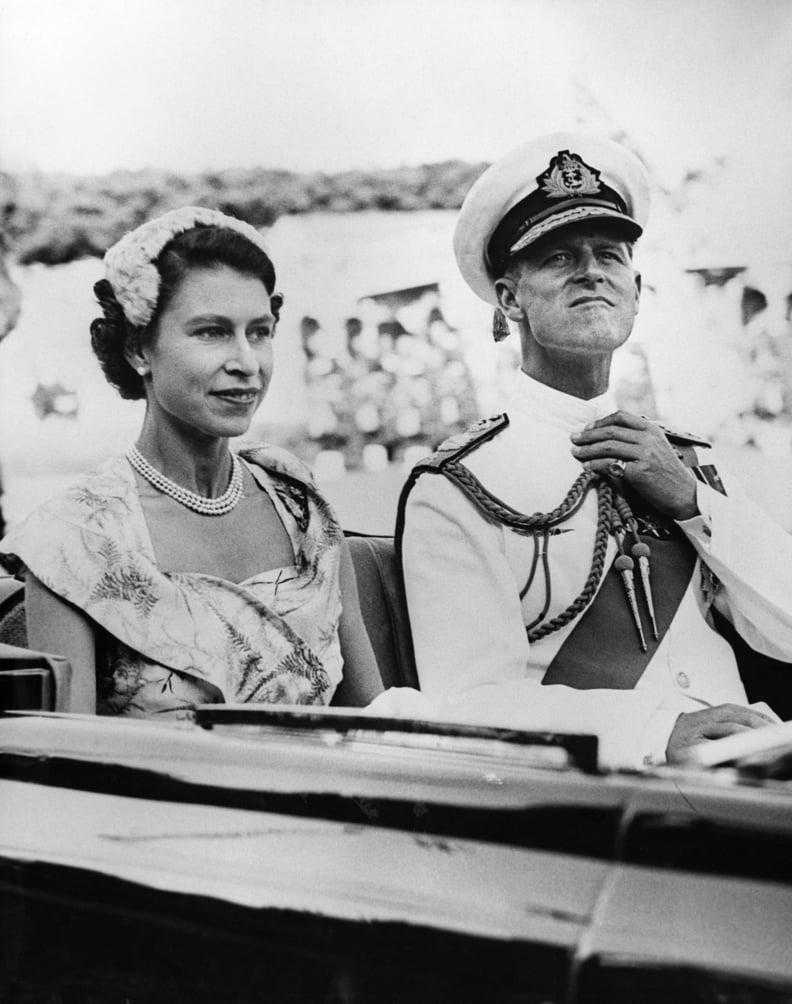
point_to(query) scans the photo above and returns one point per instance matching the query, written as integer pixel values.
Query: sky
(696, 86)
(88, 86)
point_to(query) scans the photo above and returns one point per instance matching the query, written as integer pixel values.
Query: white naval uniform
(463, 576)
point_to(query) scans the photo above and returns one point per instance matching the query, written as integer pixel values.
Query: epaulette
(682, 438)
(462, 443)
(684, 443)
(449, 451)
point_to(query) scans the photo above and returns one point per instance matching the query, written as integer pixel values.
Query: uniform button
(682, 680)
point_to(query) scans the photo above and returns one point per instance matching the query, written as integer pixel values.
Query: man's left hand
(651, 466)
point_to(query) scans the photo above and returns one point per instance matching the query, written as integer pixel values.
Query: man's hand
(711, 723)
(652, 468)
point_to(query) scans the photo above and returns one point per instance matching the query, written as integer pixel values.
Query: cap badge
(568, 176)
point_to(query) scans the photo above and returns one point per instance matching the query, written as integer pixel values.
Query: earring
(141, 370)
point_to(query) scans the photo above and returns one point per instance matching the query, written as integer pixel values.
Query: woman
(181, 573)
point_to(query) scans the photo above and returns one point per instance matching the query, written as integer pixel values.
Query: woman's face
(210, 358)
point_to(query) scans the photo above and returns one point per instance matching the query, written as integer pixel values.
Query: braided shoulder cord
(540, 522)
(604, 506)
(500, 512)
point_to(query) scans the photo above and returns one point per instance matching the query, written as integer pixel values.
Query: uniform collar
(537, 401)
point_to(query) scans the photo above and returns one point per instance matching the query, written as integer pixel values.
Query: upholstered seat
(13, 629)
(384, 608)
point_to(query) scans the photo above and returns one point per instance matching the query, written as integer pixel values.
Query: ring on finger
(616, 468)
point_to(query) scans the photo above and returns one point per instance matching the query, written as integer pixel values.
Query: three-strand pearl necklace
(206, 507)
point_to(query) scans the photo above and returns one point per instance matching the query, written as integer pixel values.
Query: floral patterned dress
(170, 641)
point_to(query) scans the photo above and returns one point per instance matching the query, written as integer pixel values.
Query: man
(567, 565)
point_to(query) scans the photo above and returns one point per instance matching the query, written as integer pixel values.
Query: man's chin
(600, 342)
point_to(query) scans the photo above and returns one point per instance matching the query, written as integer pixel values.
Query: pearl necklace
(198, 503)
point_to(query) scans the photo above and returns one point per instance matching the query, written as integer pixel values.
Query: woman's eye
(211, 333)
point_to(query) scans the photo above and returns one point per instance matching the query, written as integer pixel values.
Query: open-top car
(291, 854)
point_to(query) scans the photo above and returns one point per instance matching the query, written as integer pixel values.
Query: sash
(603, 649)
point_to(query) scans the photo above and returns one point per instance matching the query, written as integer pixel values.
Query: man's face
(576, 290)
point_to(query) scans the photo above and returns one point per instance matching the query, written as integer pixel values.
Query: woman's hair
(199, 247)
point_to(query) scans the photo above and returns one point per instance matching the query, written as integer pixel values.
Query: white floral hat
(129, 264)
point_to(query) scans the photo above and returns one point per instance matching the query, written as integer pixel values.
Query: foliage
(56, 218)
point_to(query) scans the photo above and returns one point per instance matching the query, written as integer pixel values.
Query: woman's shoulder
(293, 482)
(93, 507)
(106, 485)
(88, 499)
(278, 461)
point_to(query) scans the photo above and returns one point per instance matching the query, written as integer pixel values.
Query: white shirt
(463, 576)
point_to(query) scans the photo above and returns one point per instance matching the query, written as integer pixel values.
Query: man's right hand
(711, 723)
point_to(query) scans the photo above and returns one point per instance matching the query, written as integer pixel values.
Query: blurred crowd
(767, 415)
(389, 376)
(375, 389)
(743, 351)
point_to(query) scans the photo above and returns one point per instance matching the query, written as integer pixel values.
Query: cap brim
(577, 214)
